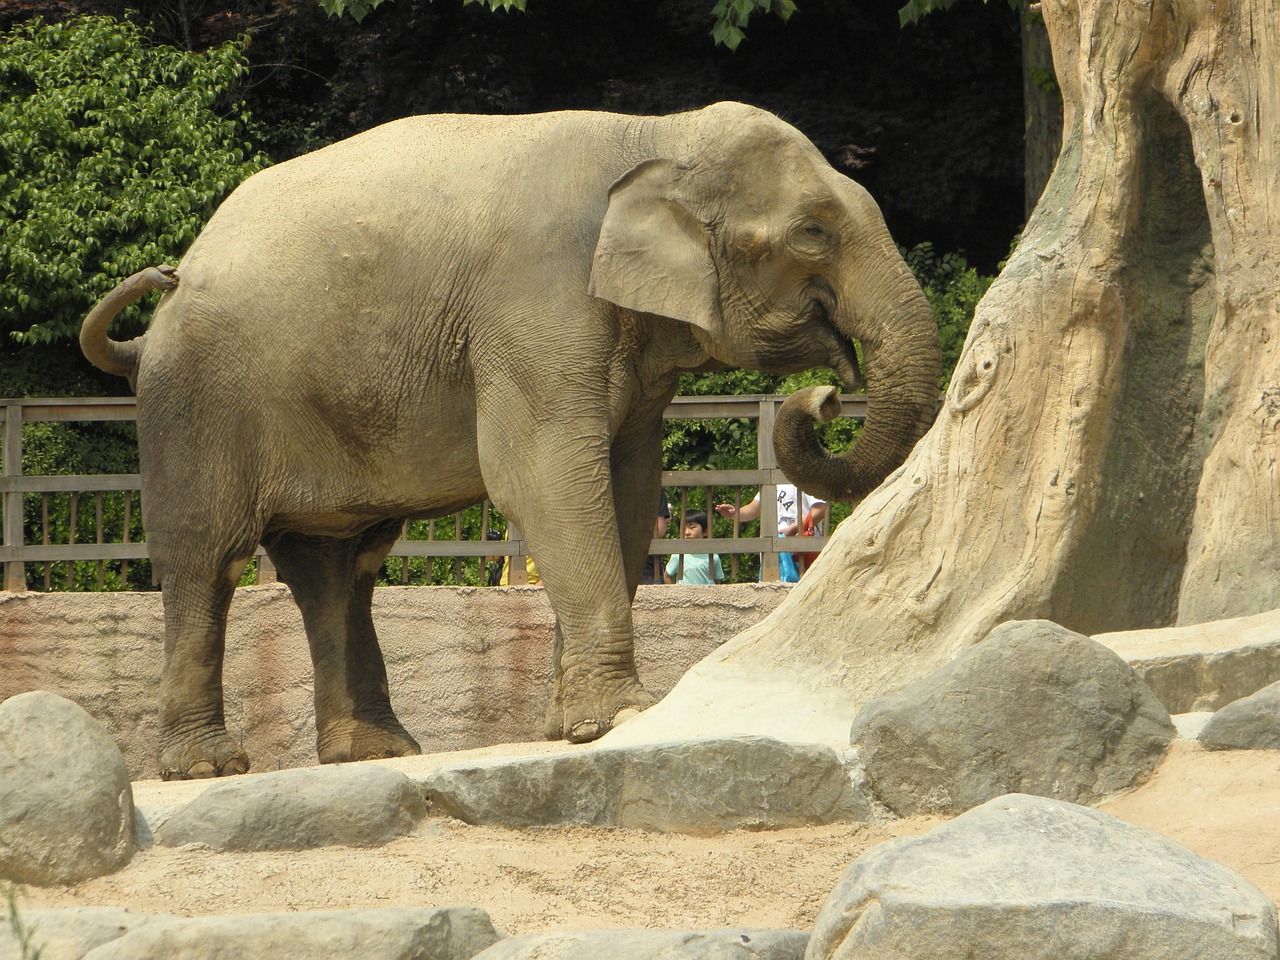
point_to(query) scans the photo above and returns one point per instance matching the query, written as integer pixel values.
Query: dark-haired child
(699, 568)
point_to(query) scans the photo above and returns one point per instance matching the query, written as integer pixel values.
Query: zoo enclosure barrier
(17, 555)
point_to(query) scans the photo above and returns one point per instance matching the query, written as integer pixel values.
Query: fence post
(266, 570)
(15, 578)
(765, 460)
(517, 571)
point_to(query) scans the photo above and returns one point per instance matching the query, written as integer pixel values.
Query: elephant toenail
(585, 731)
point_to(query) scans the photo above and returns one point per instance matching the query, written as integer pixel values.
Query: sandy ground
(1224, 806)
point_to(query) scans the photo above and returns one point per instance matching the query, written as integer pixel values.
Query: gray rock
(1033, 708)
(355, 805)
(731, 944)
(1036, 879)
(1249, 724)
(694, 786)
(412, 933)
(1205, 666)
(70, 933)
(66, 806)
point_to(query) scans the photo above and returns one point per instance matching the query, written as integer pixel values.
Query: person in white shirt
(790, 518)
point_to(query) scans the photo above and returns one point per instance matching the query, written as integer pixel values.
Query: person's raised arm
(743, 514)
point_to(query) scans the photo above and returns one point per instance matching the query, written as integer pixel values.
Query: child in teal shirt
(699, 568)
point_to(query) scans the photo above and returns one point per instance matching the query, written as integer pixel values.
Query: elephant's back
(415, 167)
(410, 203)
(372, 250)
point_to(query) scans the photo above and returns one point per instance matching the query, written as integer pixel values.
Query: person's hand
(790, 530)
(727, 510)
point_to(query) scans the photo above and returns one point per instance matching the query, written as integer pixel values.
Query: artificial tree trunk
(1106, 456)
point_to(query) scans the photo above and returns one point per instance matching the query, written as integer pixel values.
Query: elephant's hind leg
(332, 581)
(193, 736)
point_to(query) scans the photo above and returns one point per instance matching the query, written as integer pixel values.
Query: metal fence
(28, 555)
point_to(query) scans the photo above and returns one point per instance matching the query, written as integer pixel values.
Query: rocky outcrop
(66, 804)
(1039, 879)
(735, 944)
(68, 934)
(354, 805)
(1033, 708)
(421, 933)
(694, 786)
(1203, 666)
(1252, 723)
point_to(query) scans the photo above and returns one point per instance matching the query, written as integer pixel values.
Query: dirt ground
(1224, 806)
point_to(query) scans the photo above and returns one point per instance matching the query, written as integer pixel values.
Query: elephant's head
(779, 263)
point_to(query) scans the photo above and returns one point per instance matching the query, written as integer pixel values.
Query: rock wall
(468, 666)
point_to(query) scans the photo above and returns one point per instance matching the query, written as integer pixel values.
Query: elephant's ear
(654, 254)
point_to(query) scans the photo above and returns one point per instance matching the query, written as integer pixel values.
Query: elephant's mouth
(842, 357)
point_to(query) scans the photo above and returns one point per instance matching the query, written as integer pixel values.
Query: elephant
(451, 307)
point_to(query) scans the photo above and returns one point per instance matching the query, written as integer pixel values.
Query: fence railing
(88, 491)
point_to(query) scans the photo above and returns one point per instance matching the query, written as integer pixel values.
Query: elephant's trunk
(902, 362)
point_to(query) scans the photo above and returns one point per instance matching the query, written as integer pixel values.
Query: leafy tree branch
(728, 29)
(117, 150)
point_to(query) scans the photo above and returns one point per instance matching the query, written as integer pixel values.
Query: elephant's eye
(812, 240)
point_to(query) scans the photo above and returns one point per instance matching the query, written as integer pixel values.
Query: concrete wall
(468, 665)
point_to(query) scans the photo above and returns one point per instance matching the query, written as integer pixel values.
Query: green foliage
(116, 151)
(954, 289)
(731, 16)
(1045, 80)
(357, 10)
(915, 10)
(455, 571)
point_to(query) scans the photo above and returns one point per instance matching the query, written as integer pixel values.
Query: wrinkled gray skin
(452, 307)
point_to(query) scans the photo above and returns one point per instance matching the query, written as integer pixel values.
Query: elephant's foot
(588, 718)
(349, 740)
(215, 755)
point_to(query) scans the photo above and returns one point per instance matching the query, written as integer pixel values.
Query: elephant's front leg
(332, 580)
(570, 524)
(635, 469)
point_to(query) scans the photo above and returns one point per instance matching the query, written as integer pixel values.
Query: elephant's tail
(116, 356)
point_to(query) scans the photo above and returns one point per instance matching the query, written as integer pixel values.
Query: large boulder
(734, 944)
(66, 806)
(1037, 879)
(407, 933)
(1033, 708)
(693, 786)
(1252, 723)
(355, 805)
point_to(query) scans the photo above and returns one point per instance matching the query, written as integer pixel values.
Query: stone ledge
(1199, 668)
